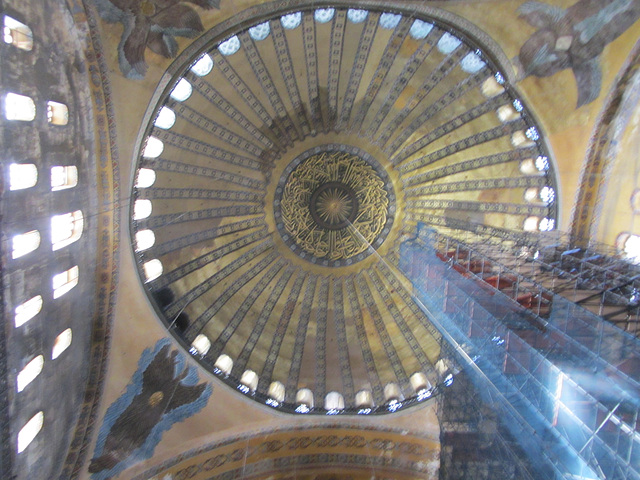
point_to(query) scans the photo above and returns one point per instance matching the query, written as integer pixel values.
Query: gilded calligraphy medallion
(334, 205)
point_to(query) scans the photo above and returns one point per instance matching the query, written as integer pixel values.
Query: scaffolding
(563, 381)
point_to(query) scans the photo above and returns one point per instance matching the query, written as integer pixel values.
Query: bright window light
(57, 113)
(61, 343)
(152, 269)
(531, 194)
(547, 224)
(547, 195)
(66, 229)
(334, 401)
(25, 243)
(291, 20)
(357, 16)
(420, 29)
(260, 31)
(153, 148)
(181, 91)
(22, 175)
(144, 240)
(19, 107)
(29, 373)
(63, 177)
(531, 224)
(17, 34)
(230, 46)
(203, 66)
(65, 281)
(200, 345)
(448, 43)
(324, 15)
(142, 209)
(472, 63)
(165, 119)
(146, 178)
(29, 431)
(27, 310)
(390, 20)
(631, 248)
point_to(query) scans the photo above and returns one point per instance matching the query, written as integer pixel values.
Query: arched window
(142, 209)
(630, 246)
(448, 43)
(200, 345)
(419, 29)
(63, 177)
(364, 399)
(224, 364)
(357, 16)
(260, 31)
(19, 107)
(528, 167)
(547, 195)
(472, 63)
(392, 393)
(61, 343)
(181, 91)
(531, 224)
(66, 229)
(65, 281)
(506, 113)
(203, 66)
(333, 401)
(146, 178)
(304, 400)
(29, 373)
(519, 139)
(144, 240)
(152, 269)
(22, 175)
(27, 310)
(291, 20)
(249, 381)
(389, 20)
(324, 15)
(25, 243)
(542, 163)
(547, 224)
(57, 113)
(419, 382)
(230, 46)
(17, 34)
(29, 431)
(531, 194)
(492, 87)
(165, 119)
(276, 391)
(153, 148)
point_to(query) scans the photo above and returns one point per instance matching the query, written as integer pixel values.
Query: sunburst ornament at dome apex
(333, 205)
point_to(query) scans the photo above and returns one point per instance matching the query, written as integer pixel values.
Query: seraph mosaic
(153, 24)
(163, 390)
(574, 38)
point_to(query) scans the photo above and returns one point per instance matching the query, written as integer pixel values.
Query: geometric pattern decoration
(334, 205)
(293, 171)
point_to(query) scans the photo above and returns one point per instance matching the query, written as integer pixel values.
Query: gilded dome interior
(289, 160)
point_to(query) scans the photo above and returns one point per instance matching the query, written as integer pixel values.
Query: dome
(288, 176)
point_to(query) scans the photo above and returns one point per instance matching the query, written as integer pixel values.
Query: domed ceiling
(282, 168)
